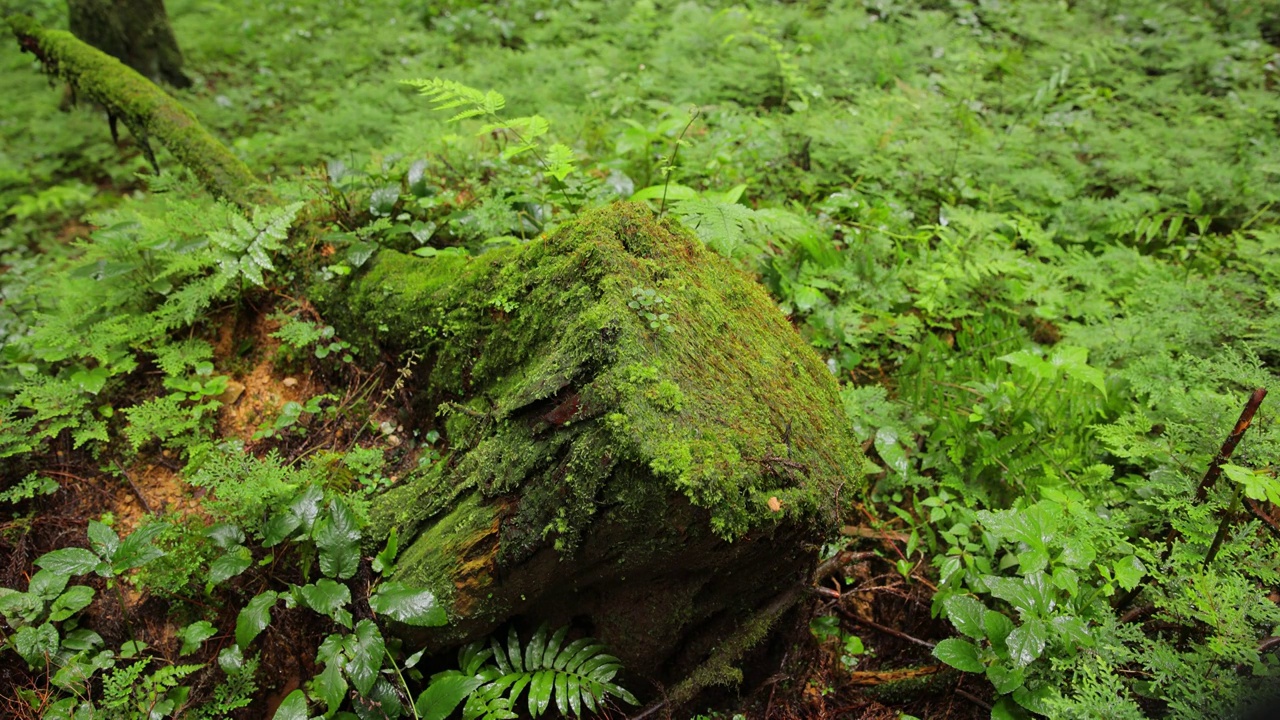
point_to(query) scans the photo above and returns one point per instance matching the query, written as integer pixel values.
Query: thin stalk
(1222, 528)
(413, 707)
(675, 156)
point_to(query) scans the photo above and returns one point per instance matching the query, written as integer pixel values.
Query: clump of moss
(589, 449)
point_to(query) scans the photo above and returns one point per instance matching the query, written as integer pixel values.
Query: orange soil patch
(162, 490)
(264, 390)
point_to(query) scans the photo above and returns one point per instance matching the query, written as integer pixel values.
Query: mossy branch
(145, 109)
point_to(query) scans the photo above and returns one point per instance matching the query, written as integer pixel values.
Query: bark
(135, 32)
(143, 107)
(666, 491)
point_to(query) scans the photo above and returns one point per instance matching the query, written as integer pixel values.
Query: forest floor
(1036, 242)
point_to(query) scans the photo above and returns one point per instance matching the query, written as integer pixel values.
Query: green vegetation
(1036, 243)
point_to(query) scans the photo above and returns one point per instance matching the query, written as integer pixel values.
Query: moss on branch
(144, 108)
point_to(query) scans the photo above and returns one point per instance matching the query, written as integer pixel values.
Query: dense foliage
(1037, 241)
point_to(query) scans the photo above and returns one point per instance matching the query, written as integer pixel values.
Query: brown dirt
(266, 390)
(160, 488)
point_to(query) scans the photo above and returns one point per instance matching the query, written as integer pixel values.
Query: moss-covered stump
(640, 444)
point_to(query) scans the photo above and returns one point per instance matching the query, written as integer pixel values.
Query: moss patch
(598, 465)
(145, 109)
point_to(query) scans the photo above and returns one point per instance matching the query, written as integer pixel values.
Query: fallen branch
(145, 109)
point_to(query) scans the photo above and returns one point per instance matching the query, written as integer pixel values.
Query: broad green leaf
(413, 606)
(1004, 679)
(225, 535)
(69, 561)
(383, 703)
(330, 686)
(959, 654)
(443, 694)
(966, 614)
(1129, 572)
(1257, 485)
(1026, 642)
(103, 540)
(997, 626)
(254, 618)
(552, 650)
(75, 599)
(36, 644)
(194, 635)
(891, 452)
(325, 596)
(230, 564)
(294, 707)
(674, 191)
(338, 539)
(1031, 362)
(231, 659)
(20, 608)
(1007, 709)
(136, 550)
(384, 561)
(47, 584)
(365, 649)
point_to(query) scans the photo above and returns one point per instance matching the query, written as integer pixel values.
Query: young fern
(575, 676)
(556, 160)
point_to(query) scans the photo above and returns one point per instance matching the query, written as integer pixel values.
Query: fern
(246, 249)
(575, 676)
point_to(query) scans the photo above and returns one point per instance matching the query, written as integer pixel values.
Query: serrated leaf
(36, 644)
(75, 599)
(959, 654)
(136, 550)
(254, 618)
(103, 540)
(230, 565)
(1129, 572)
(47, 585)
(365, 649)
(69, 561)
(966, 614)
(560, 161)
(338, 538)
(330, 686)
(325, 596)
(225, 535)
(1026, 642)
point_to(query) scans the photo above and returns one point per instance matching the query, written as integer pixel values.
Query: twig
(1266, 519)
(1135, 613)
(886, 630)
(1269, 643)
(974, 699)
(138, 493)
(1206, 483)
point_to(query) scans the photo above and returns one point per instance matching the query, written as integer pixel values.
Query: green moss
(145, 109)
(457, 547)
(729, 409)
(564, 402)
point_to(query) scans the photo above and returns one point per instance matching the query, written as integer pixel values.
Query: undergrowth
(1036, 241)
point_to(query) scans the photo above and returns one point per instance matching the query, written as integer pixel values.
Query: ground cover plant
(1035, 242)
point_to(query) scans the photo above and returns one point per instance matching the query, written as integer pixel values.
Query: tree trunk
(135, 32)
(639, 444)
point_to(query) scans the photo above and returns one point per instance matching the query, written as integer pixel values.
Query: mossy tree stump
(658, 483)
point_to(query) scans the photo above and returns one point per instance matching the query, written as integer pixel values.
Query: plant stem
(675, 155)
(413, 707)
(1222, 528)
